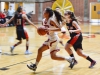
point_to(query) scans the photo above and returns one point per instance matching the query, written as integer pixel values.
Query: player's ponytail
(58, 16)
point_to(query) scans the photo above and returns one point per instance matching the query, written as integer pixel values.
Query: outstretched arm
(9, 20)
(26, 18)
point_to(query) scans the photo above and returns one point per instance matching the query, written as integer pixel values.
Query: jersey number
(18, 21)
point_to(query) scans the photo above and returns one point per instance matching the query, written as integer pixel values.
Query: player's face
(46, 14)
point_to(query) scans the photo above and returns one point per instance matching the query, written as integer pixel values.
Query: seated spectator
(10, 14)
(2, 18)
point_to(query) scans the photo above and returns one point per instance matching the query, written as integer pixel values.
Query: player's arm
(54, 29)
(9, 20)
(26, 18)
(76, 25)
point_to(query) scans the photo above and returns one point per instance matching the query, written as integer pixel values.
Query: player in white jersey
(53, 40)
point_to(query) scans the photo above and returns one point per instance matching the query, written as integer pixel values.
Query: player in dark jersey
(19, 19)
(76, 38)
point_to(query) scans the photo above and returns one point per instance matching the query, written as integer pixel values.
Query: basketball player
(52, 42)
(19, 19)
(76, 38)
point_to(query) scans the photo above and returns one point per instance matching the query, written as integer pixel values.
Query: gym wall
(81, 8)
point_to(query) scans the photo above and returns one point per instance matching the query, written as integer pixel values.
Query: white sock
(36, 63)
(67, 58)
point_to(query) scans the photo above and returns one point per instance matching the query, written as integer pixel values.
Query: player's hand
(47, 29)
(71, 31)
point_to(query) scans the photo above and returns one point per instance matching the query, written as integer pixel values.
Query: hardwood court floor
(16, 64)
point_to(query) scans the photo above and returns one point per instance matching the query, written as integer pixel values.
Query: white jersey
(53, 38)
(51, 34)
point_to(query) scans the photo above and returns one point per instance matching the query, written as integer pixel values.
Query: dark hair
(57, 14)
(72, 16)
(50, 11)
(19, 9)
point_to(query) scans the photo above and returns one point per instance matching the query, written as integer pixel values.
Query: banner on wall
(29, 7)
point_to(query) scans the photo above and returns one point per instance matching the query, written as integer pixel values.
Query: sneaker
(72, 62)
(11, 49)
(32, 67)
(92, 64)
(75, 62)
(28, 52)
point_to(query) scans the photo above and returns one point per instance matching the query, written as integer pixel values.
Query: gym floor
(16, 64)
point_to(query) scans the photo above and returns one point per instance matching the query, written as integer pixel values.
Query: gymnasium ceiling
(25, 0)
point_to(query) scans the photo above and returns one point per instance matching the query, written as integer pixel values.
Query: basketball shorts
(52, 45)
(21, 34)
(76, 42)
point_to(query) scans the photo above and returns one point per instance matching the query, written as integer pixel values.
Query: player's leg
(27, 47)
(73, 42)
(12, 47)
(67, 48)
(54, 49)
(38, 58)
(18, 38)
(80, 53)
(70, 52)
(25, 36)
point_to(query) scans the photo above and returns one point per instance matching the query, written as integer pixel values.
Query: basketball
(41, 30)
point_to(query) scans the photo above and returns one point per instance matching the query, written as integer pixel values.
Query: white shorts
(52, 44)
(63, 29)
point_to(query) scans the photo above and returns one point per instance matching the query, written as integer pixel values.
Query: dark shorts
(76, 42)
(21, 34)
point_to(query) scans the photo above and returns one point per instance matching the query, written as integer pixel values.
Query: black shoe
(72, 63)
(75, 62)
(92, 64)
(32, 67)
